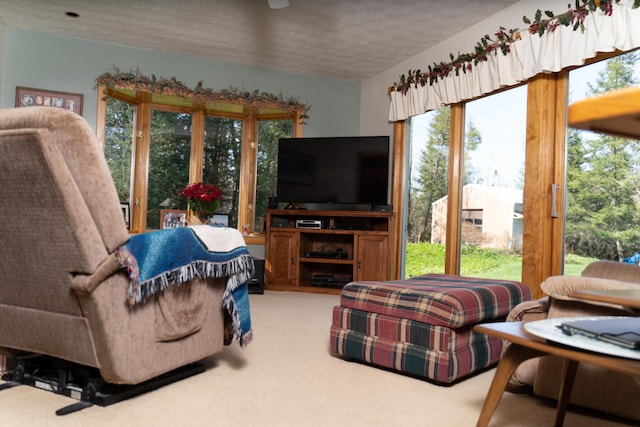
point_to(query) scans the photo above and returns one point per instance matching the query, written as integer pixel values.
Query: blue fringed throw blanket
(157, 260)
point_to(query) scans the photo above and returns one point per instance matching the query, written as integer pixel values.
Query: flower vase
(194, 219)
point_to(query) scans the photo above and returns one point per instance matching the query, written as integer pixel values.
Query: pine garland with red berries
(546, 22)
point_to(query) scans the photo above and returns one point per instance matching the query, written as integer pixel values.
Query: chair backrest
(59, 208)
(614, 270)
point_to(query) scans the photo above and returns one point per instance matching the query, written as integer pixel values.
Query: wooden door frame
(545, 159)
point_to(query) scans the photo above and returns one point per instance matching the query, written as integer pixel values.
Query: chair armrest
(525, 374)
(88, 283)
(529, 310)
(560, 287)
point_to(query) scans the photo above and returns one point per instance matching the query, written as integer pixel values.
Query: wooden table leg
(569, 369)
(511, 359)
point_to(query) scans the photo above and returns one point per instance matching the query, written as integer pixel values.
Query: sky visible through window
(503, 134)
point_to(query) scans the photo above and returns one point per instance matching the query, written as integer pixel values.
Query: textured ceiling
(343, 39)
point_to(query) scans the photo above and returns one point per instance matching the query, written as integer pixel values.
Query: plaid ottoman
(423, 326)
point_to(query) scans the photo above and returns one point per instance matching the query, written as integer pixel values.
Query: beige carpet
(286, 377)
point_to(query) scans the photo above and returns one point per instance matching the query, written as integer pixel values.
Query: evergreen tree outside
(603, 180)
(432, 176)
(169, 158)
(433, 169)
(269, 133)
(222, 147)
(118, 145)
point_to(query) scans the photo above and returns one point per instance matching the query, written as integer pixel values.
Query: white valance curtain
(531, 55)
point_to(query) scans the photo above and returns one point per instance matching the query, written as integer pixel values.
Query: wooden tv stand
(345, 246)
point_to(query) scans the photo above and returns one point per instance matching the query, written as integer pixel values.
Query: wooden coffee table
(525, 346)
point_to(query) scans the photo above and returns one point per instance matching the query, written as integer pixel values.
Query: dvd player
(353, 227)
(328, 280)
(310, 223)
(338, 254)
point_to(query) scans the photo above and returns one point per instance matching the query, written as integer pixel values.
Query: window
(472, 227)
(427, 218)
(473, 217)
(269, 132)
(602, 209)
(493, 184)
(169, 148)
(222, 147)
(156, 144)
(119, 144)
(552, 156)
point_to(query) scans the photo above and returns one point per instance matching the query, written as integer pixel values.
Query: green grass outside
(423, 258)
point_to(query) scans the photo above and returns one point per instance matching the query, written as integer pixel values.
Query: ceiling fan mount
(278, 4)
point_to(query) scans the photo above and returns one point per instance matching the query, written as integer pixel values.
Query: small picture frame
(30, 97)
(173, 218)
(126, 213)
(219, 220)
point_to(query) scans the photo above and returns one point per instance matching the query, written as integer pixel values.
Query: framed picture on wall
(172, 218)
(30, 97)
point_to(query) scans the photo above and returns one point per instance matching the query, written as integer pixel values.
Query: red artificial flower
(203, 199)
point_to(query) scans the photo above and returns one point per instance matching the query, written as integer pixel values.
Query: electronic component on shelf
(310, 223)
(279, 222)
(329, 280)
(334, 254)
(353, 227)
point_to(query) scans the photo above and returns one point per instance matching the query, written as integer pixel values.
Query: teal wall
(44, 61)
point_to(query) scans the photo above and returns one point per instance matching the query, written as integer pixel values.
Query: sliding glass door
(426, 225)
(603, 176)
(493, 184)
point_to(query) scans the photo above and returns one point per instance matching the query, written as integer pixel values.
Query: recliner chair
(594, 387)
(62, 293)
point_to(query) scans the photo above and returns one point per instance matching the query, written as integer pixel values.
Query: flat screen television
(333, 172)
